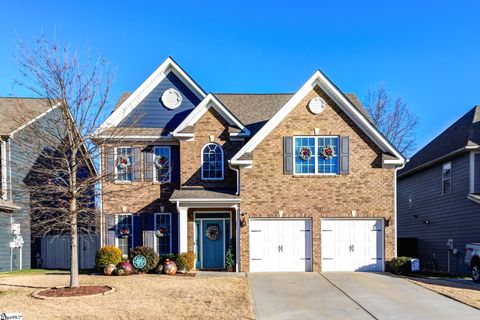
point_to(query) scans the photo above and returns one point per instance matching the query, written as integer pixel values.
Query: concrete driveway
(349, 295)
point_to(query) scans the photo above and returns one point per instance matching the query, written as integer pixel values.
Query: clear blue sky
(427, 52)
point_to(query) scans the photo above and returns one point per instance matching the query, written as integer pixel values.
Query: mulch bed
(192, 274)
(73, 292)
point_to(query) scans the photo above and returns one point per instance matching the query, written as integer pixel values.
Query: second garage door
(352, 245)
(280, 245)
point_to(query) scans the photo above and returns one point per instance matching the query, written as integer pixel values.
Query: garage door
(352, 245)
(280, 245)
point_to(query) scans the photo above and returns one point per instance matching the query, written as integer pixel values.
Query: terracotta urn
(169, 267)
(109, 269)
(126, 266)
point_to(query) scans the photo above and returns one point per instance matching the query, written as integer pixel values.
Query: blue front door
(213, 244)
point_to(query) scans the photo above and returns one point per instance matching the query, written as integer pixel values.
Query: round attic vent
(316, 105)
(171, 98)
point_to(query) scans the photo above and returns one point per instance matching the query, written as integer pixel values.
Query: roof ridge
(252, 94)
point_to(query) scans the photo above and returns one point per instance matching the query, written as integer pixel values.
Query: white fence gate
(56, 251)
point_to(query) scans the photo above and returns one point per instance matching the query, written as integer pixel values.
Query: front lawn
(136, 297)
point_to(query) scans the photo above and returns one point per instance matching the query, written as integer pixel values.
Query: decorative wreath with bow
(162, 231)
(305, 153)
(327, 152)
(122, 162)
(123, 232)
(161, 162)
(213, 233)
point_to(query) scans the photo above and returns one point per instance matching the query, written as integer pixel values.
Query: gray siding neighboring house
(432, 216)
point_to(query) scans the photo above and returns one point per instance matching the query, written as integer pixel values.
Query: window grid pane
(305, 166)
(124, 244)
(212, 166)
(124, 174)
(162, 175)
(328, 166)
(163, 243)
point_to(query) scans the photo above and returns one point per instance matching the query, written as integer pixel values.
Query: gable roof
(16, 113)
(319, 79)
(462, 135)
(210, 101)
(132, 100)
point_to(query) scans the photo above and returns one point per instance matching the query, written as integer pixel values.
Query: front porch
(208, 221)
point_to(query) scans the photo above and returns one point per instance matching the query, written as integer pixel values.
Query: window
(447, 178)
(161, 164)
(123, 164)
(212, 162)
(316, 155)
(163, 227)
(124, 232)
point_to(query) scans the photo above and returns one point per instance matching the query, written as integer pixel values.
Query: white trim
(155, 171)
(182, 228)
(237, 238)
(34, 119)
(3, 166)
(132, 234)
(201, 231)
(215, 200)
(210, 101)
(472, 172)
(155, 241)
(169, 136)
(223, 160)
(169, 65)
(316, 173)
(319, 79)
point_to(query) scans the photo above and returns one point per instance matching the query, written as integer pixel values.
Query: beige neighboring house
(293, 181)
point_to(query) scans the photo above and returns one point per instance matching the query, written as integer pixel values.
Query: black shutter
(110, 227)
(288, 155)
(148, 163)
(109, 163)
(136, 165)
(344, 155)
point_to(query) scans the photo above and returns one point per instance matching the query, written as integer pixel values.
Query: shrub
(107, 255)
(400, 265)
(186, 260)
(149, 254)
(230, 256)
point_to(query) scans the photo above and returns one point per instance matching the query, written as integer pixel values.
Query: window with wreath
(212, 162)
(123, 164)
(161, 164)
(124, 232)
(316, 155)
(163, 227)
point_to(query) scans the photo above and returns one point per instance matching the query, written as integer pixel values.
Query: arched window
(212, 162)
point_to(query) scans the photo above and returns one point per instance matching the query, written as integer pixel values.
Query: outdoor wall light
(427, 222)
(243, 220)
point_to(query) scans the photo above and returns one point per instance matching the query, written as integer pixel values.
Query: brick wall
(368, 189)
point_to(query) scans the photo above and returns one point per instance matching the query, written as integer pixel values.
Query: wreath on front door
(123, 232)
(161, 162)
(122, 162)
(212, 233)
(162, 231)
(327, 152)
(305, 153)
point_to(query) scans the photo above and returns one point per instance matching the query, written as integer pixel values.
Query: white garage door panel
(352, 245)
(280, 245)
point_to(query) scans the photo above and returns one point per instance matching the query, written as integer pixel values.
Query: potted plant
(230, 258)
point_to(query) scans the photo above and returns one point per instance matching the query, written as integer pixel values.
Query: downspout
(395, 207)
(101, 201)
(3, 167)
(237, 221)
(9, 185)
(238, 177)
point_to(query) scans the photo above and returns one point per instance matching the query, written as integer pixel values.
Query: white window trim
(316, 173)
(132, 234)
(447, 164)
(169, 229)
(155, 171)
(223, 160)
(3, 167)
(115, 170)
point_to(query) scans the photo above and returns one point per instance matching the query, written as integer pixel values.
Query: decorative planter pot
(169, 267)
(109, 269)
(230, 269)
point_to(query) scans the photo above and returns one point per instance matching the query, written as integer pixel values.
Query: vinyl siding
(150, 113)
(451, 216)
(477, 173)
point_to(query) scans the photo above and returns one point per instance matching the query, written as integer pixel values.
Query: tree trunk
(73, 245)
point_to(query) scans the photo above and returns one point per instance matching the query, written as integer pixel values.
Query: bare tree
(393, 118)
(63, 182)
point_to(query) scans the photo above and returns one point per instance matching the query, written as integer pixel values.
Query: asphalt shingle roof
(462, 133)
(15, 112)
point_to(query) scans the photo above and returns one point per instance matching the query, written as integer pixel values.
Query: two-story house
(296, 182)
(439, 197)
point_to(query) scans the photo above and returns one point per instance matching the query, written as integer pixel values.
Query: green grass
(31, 272)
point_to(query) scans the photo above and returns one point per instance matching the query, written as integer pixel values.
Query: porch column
(237, 238)
(182, 229)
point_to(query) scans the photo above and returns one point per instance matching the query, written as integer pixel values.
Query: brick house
(295, 182)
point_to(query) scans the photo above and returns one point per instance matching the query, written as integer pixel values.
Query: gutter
(395, 252)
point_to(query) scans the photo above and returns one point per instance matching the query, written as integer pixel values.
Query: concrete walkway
(349, 295)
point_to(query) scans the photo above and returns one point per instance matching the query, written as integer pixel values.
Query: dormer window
(212, 162)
